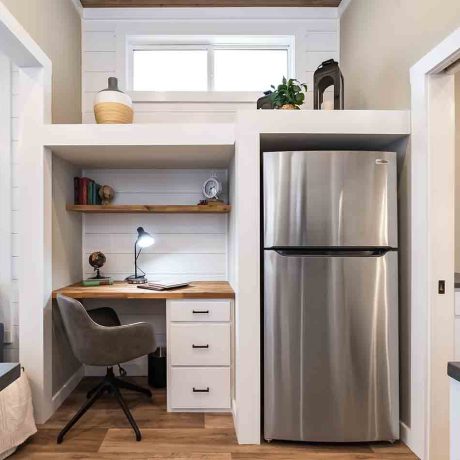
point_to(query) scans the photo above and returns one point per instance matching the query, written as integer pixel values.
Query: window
(209, 64)
(170, 70)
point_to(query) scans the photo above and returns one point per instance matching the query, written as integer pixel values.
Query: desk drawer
(199, 310)
(200, 388)
(199, 344)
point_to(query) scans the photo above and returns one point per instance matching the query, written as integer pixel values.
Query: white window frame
(210, 44)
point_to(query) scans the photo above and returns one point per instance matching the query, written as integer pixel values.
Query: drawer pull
(201, 390)
(203, 312)
(200, 346)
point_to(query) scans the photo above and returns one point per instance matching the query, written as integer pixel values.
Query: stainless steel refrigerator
(330, 296)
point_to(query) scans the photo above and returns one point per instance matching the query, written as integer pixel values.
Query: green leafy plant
(289, 93)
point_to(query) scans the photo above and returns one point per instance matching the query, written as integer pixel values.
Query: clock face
(211, 188)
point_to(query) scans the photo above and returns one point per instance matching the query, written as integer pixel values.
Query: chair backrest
(78, 325)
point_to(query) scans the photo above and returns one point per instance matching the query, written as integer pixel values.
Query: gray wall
(379, 41)
(56, 26)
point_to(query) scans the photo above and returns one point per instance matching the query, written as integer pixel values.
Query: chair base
(110, 384)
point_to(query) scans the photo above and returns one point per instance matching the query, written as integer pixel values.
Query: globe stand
(98, 275)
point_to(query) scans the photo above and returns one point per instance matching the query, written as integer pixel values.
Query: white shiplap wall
(187, 246)
(104, 49)
(11, 313)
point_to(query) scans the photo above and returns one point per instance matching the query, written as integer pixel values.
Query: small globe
(97, 259)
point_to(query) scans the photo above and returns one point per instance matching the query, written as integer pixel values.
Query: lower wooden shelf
(150, 208)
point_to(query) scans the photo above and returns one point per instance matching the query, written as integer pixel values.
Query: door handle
(204, 312)
(200, 346)
(201, 390)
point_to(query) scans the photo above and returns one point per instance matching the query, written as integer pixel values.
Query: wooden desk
(122, 290)
(199, 376)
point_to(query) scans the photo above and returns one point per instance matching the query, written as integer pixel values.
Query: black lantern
(328, 74)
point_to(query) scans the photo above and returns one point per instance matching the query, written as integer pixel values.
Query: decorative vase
(289, 107)
(112, 106)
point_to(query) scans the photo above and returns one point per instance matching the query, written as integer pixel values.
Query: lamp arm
(136, 256)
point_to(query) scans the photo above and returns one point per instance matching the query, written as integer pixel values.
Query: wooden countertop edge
(197, 290)
(144, 295)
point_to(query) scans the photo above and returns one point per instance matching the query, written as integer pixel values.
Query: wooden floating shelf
(150, 208)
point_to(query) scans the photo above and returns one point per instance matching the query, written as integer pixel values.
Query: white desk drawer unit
(199, 355)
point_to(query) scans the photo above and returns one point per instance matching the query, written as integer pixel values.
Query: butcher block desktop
(122, 290)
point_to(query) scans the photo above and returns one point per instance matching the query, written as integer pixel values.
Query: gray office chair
(97, 345)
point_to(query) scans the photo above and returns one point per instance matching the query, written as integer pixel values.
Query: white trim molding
(344, 4)
(432, 250)
(64, 392)
(209, 14)
(194, 96)
(78, 7)
(34, 316)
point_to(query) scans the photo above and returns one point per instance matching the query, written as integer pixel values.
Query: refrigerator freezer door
(331, 348)
(330, 199)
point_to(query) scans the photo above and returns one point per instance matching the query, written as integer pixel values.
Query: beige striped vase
(112, 106)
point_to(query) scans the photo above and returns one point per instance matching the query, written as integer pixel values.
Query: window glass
(170, 70)
(248, 69)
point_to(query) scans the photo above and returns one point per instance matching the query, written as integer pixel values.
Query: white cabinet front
(199, 310)
(200, 388)
(199, 344)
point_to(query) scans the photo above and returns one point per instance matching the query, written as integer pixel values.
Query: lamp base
(136, 279)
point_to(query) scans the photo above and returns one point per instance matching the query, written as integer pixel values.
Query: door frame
(34, 267)
(432, 247)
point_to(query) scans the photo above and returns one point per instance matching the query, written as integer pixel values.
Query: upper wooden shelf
(149, 208)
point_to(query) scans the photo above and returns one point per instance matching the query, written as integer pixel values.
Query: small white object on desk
(163, 285)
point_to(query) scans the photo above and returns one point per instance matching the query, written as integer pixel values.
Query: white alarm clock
(212, 188)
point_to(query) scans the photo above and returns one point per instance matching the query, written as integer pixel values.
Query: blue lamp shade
(144, 239)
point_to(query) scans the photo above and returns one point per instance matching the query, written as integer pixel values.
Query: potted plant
(289, 95)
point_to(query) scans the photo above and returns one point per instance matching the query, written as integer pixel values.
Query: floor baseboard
(61, 395)
(405, 435)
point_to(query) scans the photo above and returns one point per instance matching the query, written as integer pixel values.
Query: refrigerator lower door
(331, 348)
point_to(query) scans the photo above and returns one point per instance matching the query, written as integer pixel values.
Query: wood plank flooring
(103, 433)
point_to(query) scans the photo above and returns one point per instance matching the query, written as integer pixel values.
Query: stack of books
(97, 282)
(86, 191)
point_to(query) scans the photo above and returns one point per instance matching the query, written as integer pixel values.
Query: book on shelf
(86, 191)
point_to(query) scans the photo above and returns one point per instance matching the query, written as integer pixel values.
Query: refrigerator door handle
(330, 252)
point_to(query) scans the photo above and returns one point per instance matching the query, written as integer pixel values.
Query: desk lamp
(144, 240)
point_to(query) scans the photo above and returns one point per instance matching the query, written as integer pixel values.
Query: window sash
(210, 48)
